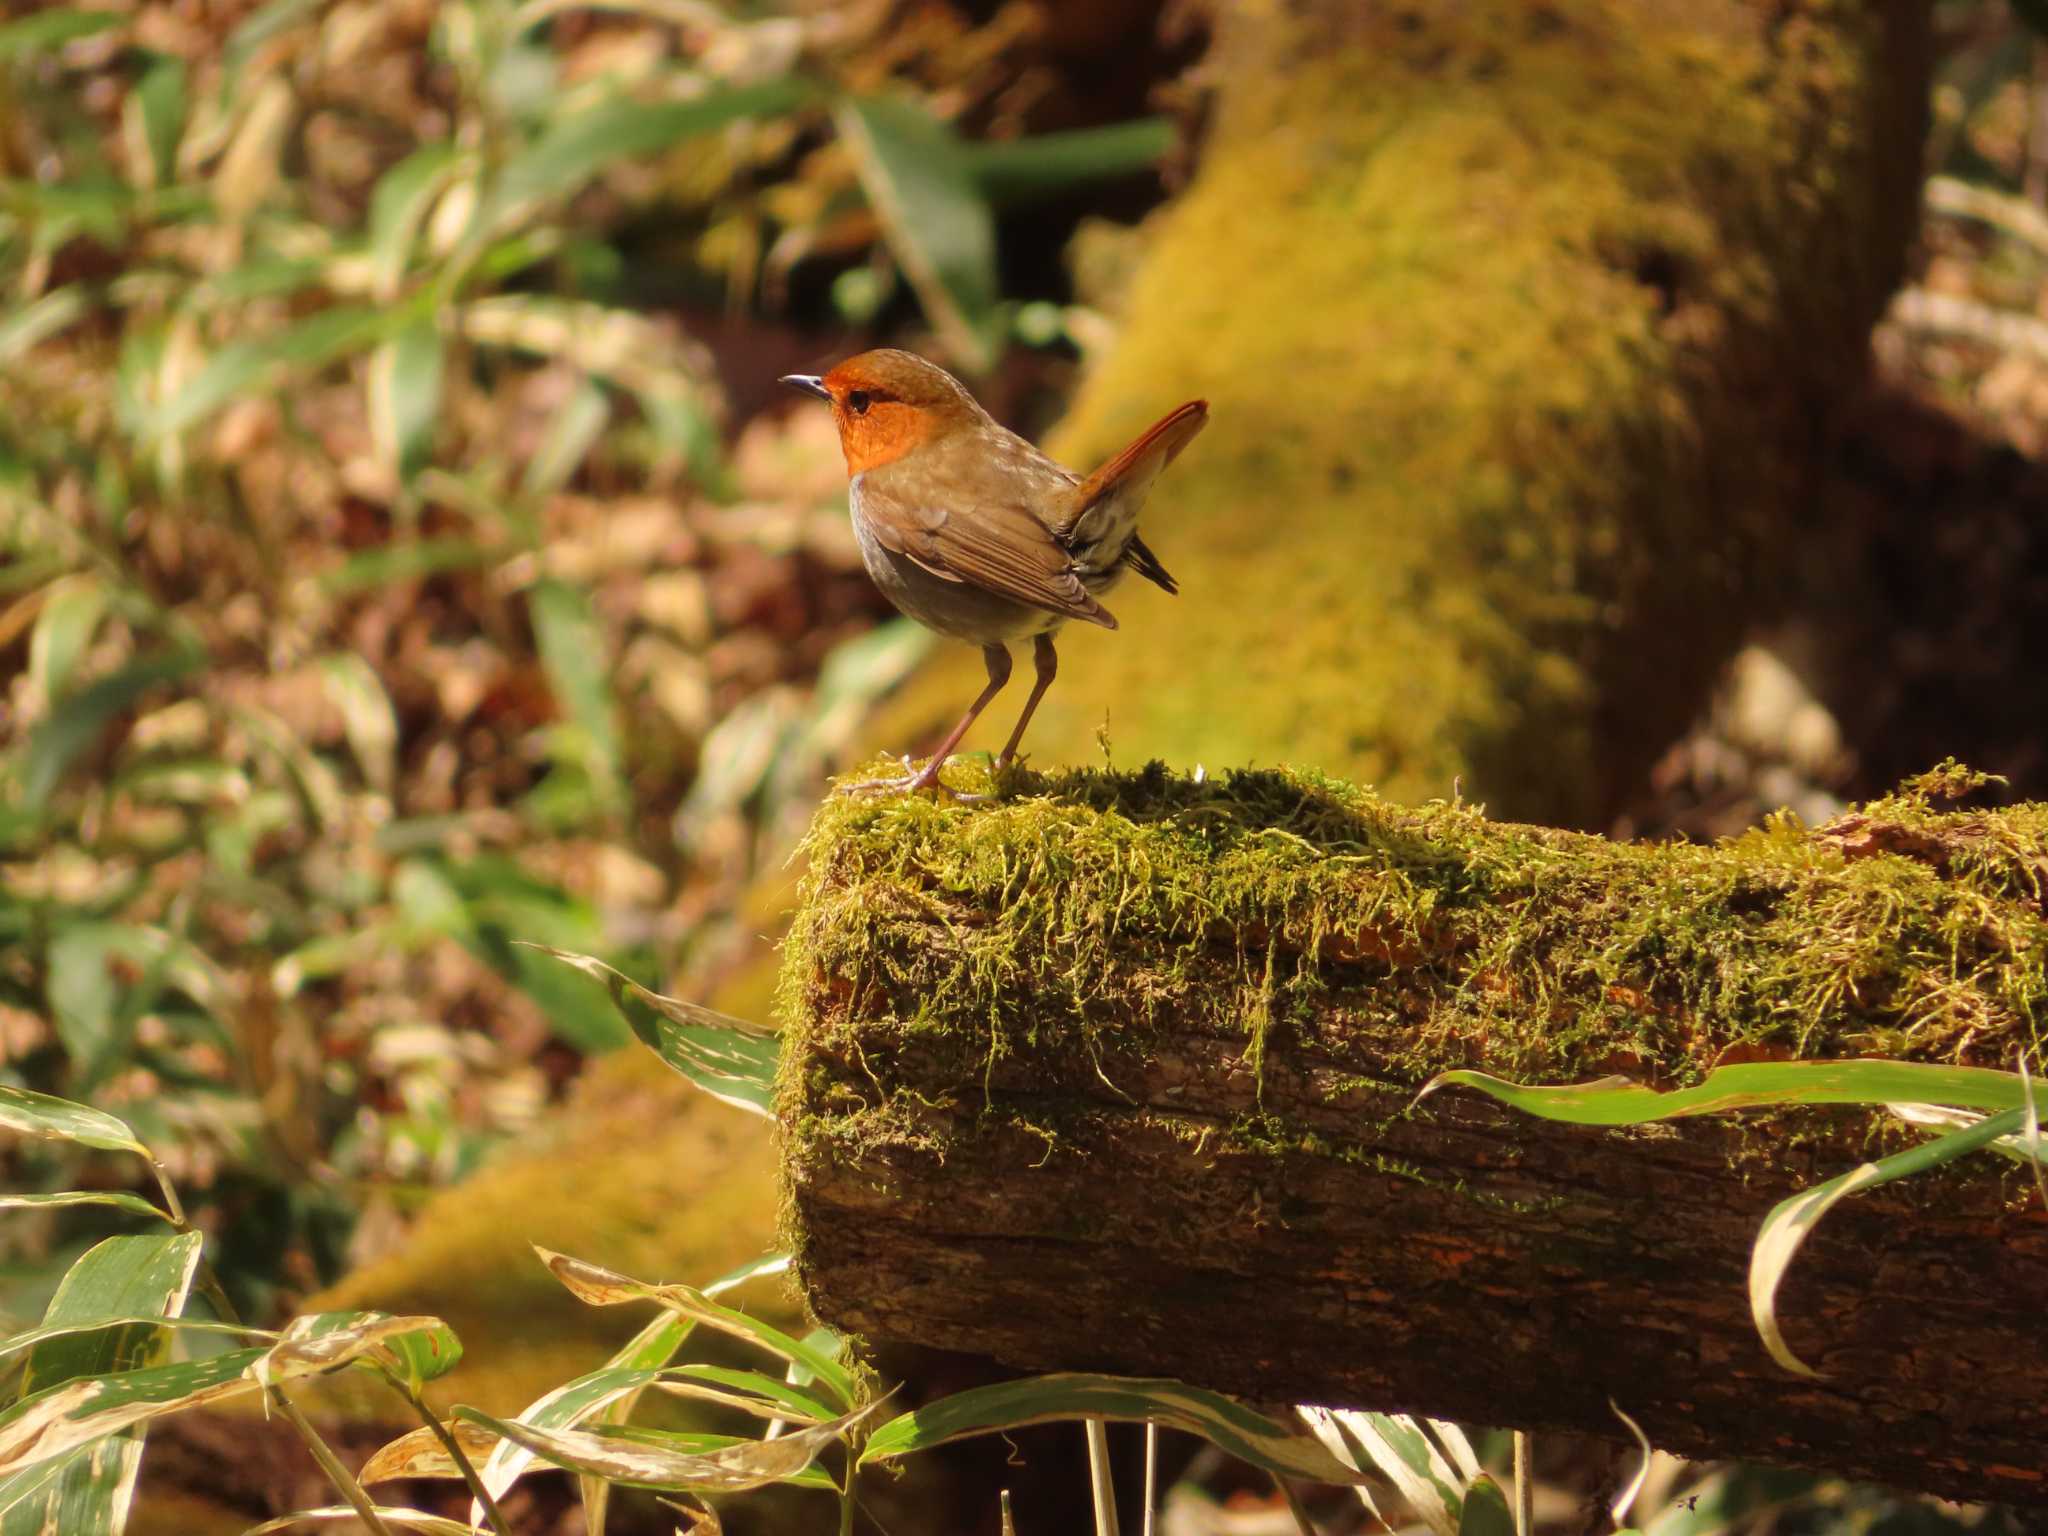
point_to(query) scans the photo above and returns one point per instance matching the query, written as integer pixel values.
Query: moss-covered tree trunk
(1521, 322)
(1117, 1077)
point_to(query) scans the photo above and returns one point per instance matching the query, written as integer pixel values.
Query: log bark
(1114, 1073)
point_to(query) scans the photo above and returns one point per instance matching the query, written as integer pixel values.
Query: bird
(973, 532)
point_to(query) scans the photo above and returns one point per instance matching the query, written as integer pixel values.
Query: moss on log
(1115, 1073)
(1519, 322)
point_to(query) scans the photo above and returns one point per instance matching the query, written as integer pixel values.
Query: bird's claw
(912, 780)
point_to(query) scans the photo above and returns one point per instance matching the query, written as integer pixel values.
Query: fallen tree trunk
(1115, 1077)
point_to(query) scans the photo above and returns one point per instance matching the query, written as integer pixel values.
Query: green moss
(1481, 317)
(1093, 914)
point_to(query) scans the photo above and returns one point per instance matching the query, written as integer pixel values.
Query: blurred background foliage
(388, 571)
(405, 551)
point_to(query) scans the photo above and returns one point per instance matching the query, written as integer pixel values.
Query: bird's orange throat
(888, 431)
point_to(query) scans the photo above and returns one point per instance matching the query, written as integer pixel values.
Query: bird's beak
(809, 383)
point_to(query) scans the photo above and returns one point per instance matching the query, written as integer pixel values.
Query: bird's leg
(1048, 665)
(998, 659)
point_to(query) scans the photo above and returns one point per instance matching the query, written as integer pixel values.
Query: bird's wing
(1133, 470)
(997, 546)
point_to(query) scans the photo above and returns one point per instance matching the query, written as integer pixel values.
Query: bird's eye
(857, 402)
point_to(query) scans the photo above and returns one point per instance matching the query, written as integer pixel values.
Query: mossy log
(1521, 324)
(1116, 1072)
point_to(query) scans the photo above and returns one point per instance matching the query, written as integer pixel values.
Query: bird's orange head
(887, 403)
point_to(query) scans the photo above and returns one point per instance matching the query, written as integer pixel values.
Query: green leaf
(573, 149)
(39, 1114)
(143, 1277)
(75, 722)
(135, 1205)
(1486, 1511)
(733, 1061)
(601, 1287)
(1792, 1219)
(42, 318)
(575, 428)
(618, 1383)
(655, 1460)
(1619, 1101)
(1048, 164)
(34, 1336)
(160, 100)
(60, 1419)
(53, 29)
(1430, 1477)
(780, 1398)
(405, 561)
(245, 367)
(148, 1274)
(919, 179)
(261, 26)
(398, 205)
(578, 663)
(421, 1348)
(367, 718)
(95, 1015)
(405, 397)
(573, 1402)
(1231, 1426)
(394, 1515)
(72, 610)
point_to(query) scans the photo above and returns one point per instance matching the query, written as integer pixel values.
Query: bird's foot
(910, 781)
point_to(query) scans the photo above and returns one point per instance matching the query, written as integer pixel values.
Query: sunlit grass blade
(1792, 1219)
(1750, 1085)
(730, 1059)
(76, 1413)
(648, 1462)
(573, 149)
(62, 1418)
(1400, 1451)
(53, 28)
(244, 366)
(404, 383)
(422, 1453)
(577, 425)
(119, 1199)
(367, 718)
(752, 1392)
(105, 1317)
(1234, 1427)
(42, 1114)
(923, 190)
(578, 665)
(419, 1348)
(154, 118)
(601, 1287)
(397, 205)
(34, 323)
(401, 1519)
(76, 721)
(72, 608)
(1049, 164)
(1619, 1506)
(14, 1344)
